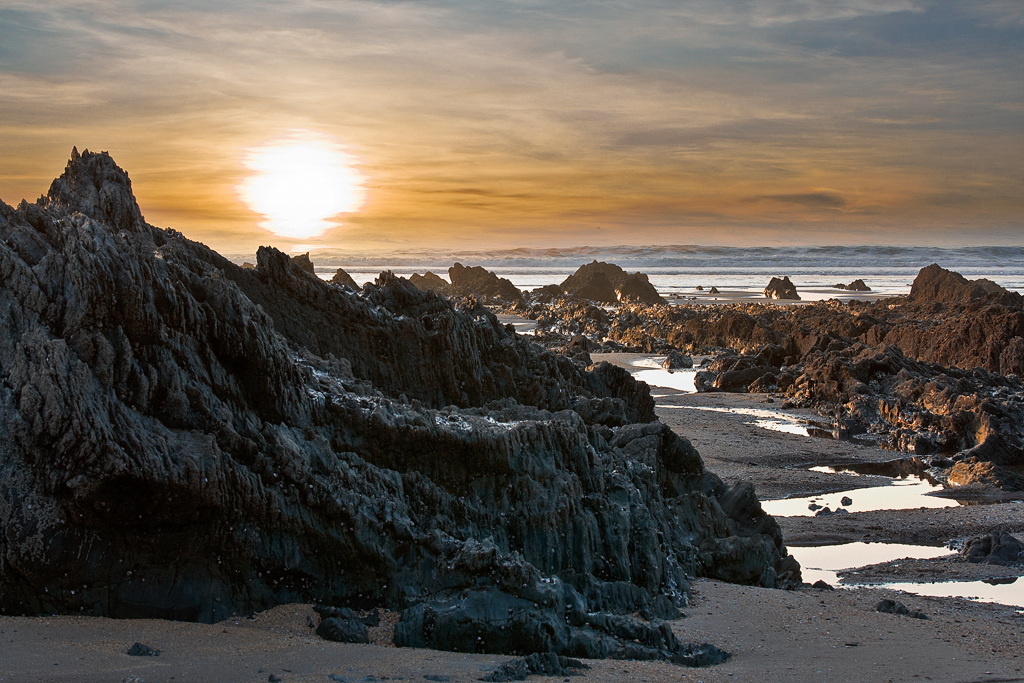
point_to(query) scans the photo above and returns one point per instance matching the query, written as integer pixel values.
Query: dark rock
(344, 279)
(273, 679)
(699, 288)
(996, 547)
(429, 282)
(781, 289)
(304, 264)
(546, 664)
(891, 607)
(343, 630)
(677, 361)
(714, 290)
(481, 283)
(855, 286)
(608, 283)
(822, 586)
(187, 439)
(140, 650)
(846, 500)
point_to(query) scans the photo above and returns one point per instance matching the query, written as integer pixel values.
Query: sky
(458, 124)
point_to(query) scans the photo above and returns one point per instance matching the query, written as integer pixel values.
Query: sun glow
(299, 182)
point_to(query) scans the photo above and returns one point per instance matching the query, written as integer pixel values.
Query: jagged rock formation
(429, 282)
(344, 279)
(481, 283)
(781, 289)
(304, 263)
(855, 286)
(607, 283)
(183, 438)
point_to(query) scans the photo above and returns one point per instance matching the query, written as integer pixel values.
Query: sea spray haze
(183, 438)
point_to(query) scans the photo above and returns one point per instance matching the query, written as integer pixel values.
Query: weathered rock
(855, 286)
(936, 284)
(429, 282)
(714, 290)
(608, 283)
(481, 283)
(183, 438)
(547, 664)
(997, 547)
(781, 289)
(973, 471)
(303, 262)
(677, 361)
(343, 629)
(344, 279)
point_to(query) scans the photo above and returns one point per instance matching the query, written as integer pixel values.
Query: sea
(677, 270)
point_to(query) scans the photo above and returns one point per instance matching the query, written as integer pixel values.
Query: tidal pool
(657, 376)
(825, 563)
(899, 494)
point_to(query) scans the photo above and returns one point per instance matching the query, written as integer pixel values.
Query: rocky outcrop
(855, 286)
(344, 279)
(608, 283)
(183, 438)
(781, 289)
(936, 284)
(481, 283)
(429, 282)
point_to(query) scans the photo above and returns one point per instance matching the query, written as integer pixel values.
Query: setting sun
(299, 182)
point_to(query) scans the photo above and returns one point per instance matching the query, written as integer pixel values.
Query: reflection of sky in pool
(656, 376)
(900, 494)
(825, 562)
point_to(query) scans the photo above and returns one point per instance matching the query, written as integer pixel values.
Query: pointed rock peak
(96, 186)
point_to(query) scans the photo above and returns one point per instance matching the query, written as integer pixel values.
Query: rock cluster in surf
(936, 374)
(184, 438)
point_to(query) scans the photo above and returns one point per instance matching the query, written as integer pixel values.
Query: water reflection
(826, 563)
(898, 494)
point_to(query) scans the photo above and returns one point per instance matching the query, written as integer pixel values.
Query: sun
(300, 181)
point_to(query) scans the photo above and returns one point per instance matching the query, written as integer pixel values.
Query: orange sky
(538, 124)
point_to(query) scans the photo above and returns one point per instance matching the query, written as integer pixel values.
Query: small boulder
(140, 650)
(714, 290)
(677, 361)
(996, 547)
(341, 625)
(846, 500)
(781, 289)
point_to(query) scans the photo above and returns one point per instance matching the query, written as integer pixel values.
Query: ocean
(678, 270)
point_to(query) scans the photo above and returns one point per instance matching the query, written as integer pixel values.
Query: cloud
(822, 199)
